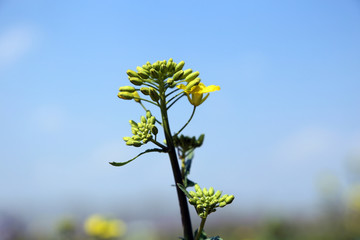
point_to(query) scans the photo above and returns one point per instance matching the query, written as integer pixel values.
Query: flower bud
(197, 187)
(145, 67)
(134, 130)
(154, 73)
(154, 130)
(132, 73)
(126, 138)
(142, 69)
(193, 83)
(154, 95)
(127, 89)
(211, 191)
(192, 193)
(143, 74)
(170, 81)
(145, 90)
(229, 199)
(200, 140)
(143, 119)
(125, 95)
(133, 123)
(205, 192)
(223, 198)
(130, 142)
(186, 73)
(222, 204)
(217, 194)
(178, 75)
(179, 66)
(192, 76)
(148, 114)
(163, 68)
(137, 144)
(136, 97)
(136, 81)
(136, 137)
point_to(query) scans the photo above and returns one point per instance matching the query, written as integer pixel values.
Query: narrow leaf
(182, 188)
(118, 164)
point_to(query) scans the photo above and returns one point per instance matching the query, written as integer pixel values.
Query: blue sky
(287, 112)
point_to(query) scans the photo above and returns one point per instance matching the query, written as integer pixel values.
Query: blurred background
(282, 135)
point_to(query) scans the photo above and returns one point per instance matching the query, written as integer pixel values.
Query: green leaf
(182, 188)
(189, 183)
(118, 164)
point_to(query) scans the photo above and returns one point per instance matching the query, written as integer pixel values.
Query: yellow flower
(103, 228)
(195, 94)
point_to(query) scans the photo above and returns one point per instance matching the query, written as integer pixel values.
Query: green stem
(174, 97)
(175, 101)
(142, 99)
(158, 144)
(184, 209)
(202, 224)
(172, 92)
(192, 114)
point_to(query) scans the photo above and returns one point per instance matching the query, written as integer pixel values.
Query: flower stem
(184, 209)
(192, 114)
(202, 224)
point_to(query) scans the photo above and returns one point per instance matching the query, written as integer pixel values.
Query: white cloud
(15, 43)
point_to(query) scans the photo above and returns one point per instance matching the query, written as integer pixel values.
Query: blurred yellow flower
(103, 228)
(195, 94)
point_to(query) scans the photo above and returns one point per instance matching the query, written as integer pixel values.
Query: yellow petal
(211, 88)
(181, 86)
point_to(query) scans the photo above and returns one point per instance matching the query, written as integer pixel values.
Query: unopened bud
(179, 66)
(154, 95)
(148, 114)
(136, 97)
(200, 140)
(126, 138)
(217, 194)
(229, 199)
(132, 73)
(137, 144)
(192, 76)
(193, 83)
(154, 130)
(186, 73)
(205, 191)
(197, 187)
(127, 89)
(222, 204)
(154, 73)
(178, 75)
(136, 81)
(223, 198)
(211, 191)
(145, 90)
(125, 95)
(133, 123)
(192, 193)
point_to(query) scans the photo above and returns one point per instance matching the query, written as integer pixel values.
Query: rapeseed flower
(196, 93)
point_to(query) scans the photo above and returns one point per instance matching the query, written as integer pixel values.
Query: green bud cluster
(187, 143)
(142, 131)
(206, 201)
(161, 70)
